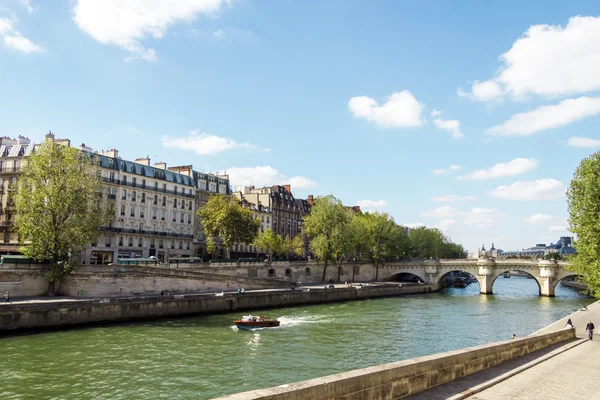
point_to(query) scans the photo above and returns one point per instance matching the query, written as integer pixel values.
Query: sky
(467, 116)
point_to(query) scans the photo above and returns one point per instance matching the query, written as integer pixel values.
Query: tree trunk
(325, 270)
(51, 289)
(339, 271)
(376, 270)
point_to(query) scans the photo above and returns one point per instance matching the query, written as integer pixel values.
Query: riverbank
(60, 313)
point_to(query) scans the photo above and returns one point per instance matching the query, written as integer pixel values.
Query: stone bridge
(547, 273)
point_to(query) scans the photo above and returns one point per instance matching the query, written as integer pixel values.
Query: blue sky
(465, 115)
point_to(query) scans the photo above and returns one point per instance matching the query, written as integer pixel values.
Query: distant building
(564, 246)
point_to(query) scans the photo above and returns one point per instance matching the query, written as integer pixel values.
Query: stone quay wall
(400, 379)
(23, 316)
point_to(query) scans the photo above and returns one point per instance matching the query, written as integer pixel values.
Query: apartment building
(154, 206)
(259, 211)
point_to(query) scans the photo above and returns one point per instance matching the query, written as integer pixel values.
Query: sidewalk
(563, 371)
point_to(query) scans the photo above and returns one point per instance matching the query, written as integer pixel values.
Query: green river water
(206, 356)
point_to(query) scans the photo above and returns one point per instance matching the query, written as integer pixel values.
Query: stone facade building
(154, 206)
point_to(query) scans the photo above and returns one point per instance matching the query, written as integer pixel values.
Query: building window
(174, 216)
(124, 180)
(155, 185)
(182, 218)
(123, 194)
(139, 242)
(160, 244)
(189, 218)
(187, 245)
(122, 209)
(222, 189)
(142, 213)
(143, 182)
(174, 203)
(133, 195)
(133, 181)
(132, 211)
(164, 215)
(212, 187)
(120, 241)
(141, 226)
(107, 241)
(143, 200)
(175, 189)
(164, 202)
(180, 245)
(172, 243)
(202, 185)
(154, 213)
(130, 242)
(111, 177)
(183, 204)
(155, 199)
(190, 205)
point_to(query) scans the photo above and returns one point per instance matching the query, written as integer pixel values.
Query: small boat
(255, 321)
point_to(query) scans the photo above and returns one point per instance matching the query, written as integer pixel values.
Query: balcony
(112, 196)
(7, 170)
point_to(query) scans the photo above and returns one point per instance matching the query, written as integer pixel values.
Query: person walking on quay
(590, 328)
(570, 324)
(6, 297)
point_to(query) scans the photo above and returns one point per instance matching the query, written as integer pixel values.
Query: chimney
(183, 170)
(63, 142)
(143, 161)
(49, 136)
(288, 188)
(310, 199)
(114, 153)
(160, 165)
(86, 148)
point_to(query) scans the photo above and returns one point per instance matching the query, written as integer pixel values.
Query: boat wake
(291, 321)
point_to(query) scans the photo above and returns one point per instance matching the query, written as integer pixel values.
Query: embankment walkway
(568, 371)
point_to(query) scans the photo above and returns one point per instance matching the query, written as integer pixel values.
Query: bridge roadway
(547, 273)
(566, 372)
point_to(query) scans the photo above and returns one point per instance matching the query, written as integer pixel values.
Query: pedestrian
(590, 328)
(514, 336)
(6, 297)
(570, 324)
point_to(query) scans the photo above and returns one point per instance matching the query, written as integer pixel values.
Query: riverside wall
(400, 379)
(56, 314)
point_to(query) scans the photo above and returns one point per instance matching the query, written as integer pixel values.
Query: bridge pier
(486, 275)
(547, 269)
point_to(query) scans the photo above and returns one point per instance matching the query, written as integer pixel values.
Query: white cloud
(22, 44)
(400, 110)
(548, 60)
(578, 141)
(13, 39)
(5, 26)
(543, 189)
(514, 167)
(435, 113)
(219, 33)
(539, 219)
(301, 182)
(441, 171)
(127, 23)
(26, 5)
(445, 224)
(450, 125)
(413, 225)
(478, 217)
(266, 176)
(548, 117)
(450, 198)
(371, 204)
(202, 143)
(557, 228)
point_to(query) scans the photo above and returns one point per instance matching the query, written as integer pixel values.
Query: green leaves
(583, 198)
(225, 220)
(58, 208)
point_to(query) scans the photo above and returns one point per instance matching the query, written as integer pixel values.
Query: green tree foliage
(382, 238)
(431, 242)
(553, 256)
(269, 242)
(584, 218)
(326, 226)
(225, 220)
(59, 210)
(295, 246)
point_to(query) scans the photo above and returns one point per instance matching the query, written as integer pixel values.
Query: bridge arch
(445, 275)
(565, 276)
(406, 277)
(522, 271)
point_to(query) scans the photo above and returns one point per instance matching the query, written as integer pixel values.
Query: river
(206, 356)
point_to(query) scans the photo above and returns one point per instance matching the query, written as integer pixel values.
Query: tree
(553, 256)
(384, 238)
(294, 246)
(225, 220)
(59, 210)
(583, 198)
(269, 242)
(325, 226)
